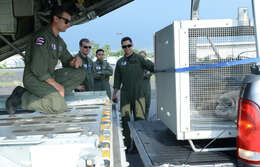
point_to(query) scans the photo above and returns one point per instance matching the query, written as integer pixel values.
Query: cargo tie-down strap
(208, 66)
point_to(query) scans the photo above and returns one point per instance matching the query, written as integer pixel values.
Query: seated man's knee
(57, 103)
(59, 108)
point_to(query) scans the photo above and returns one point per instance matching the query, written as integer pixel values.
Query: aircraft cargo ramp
(89, 134)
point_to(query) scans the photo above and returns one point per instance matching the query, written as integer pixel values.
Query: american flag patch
(40, 41)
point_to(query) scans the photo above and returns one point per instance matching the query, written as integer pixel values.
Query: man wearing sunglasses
(128, 78)
(45, 87)
(87, 64)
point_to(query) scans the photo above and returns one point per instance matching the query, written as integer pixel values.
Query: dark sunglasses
(86, 47)
(67, 21)
(127, 46)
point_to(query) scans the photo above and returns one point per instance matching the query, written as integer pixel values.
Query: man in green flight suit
(129, 73)
(147, 87)
(46, 87)
(102, 72)
(88, 83)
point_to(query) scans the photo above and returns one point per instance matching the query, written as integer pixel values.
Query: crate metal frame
(173, 88)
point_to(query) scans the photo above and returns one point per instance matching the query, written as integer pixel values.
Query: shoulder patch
(40, 41)
(53, 46)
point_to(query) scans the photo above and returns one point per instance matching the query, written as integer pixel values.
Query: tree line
(109, 52)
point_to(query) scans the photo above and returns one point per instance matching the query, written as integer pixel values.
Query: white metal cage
(189, 101)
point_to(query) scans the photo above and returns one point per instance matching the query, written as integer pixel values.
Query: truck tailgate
(158, 146)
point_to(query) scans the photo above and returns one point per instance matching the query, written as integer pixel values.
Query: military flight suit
(102, 72)
(41, 58)
(89, 78)
(147, 91)
(129, 74)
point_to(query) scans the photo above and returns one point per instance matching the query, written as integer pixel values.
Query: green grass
(5, 73)
(8, 84)
(3, 66)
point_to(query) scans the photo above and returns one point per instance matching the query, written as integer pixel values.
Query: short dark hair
(99, 50)
(84, 40)
(58, 11)
(126, 39)
(142, 51)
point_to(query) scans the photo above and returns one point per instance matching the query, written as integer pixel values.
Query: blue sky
(140, 19)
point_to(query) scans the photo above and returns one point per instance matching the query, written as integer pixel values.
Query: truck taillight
(248, 139)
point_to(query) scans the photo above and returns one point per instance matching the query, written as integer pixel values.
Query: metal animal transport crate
(200, 68)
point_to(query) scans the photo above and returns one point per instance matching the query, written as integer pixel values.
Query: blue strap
(208, 66)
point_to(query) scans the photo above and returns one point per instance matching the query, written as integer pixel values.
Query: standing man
(45, 86)
(128, 77)
(88, 83)
(102, 73)
(147, 87)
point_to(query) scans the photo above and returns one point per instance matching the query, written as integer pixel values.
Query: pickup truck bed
(158, 146)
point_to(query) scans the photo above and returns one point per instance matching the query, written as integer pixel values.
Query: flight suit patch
(60, 48)
(53, 46)
(40, 41)
(98, 68)
(85, 65)
(123, 63)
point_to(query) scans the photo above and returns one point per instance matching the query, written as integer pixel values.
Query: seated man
(46, 87)
(102, 72)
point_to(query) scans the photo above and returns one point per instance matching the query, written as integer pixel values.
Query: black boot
(14, 100)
